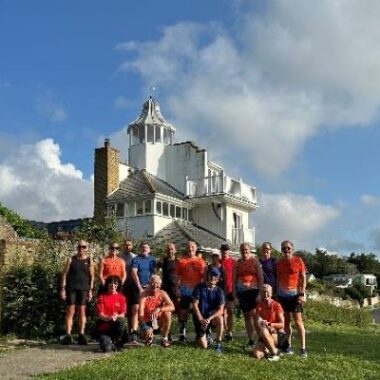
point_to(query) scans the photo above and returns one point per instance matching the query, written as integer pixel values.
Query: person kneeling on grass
(208, 309)
(111, 308)
(269, 325)
(155, 312)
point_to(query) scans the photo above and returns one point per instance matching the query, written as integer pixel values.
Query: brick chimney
(106, 179)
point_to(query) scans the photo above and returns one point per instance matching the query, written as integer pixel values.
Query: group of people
(269, 292)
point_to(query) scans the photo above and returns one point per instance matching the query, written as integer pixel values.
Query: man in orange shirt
(155, 312)
(190, 272)
(291, 284)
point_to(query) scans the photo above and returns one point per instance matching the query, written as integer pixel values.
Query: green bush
(31, 304)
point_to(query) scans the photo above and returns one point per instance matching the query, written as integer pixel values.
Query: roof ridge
(185, 231)
(147, 180)
(164, 182)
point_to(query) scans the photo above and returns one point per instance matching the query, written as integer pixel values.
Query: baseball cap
(215, 252)
(214, 272)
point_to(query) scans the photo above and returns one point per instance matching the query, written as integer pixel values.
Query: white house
(346, 280)
(170, 191)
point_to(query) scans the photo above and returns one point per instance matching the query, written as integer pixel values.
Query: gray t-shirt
(128, 257)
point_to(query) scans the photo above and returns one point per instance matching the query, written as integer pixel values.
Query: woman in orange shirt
(248, 278)
(112, 265)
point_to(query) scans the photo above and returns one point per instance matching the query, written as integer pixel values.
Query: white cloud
(289, 216)
(274, 82)
(370, 200)
(36, 184)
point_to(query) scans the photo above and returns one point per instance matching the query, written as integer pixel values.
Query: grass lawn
(335, 352)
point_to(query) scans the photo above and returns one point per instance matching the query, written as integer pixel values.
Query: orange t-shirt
(190, 270)
(269, 312)
(113, 267)
(289, 273)
(151, 303)
(246, 273)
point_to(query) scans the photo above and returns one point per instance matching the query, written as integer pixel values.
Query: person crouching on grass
(208, 310)
(269, 325)
(155, 312)
(111, 308)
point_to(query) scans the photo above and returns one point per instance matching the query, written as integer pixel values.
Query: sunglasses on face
(114, 248)
(286, 248)
(82, 246)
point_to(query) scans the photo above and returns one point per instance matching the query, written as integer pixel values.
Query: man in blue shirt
(143, 267)
(208, 309)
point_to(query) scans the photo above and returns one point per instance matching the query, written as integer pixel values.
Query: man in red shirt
(269, 325)
(111, 308)
(228, 264)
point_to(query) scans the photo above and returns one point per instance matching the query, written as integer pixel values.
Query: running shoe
(273, 358)
(228, 337)
(165, 343)
(288, 351)
(210, 340)
(82, 340)
(303, 353)
(67, 339)
(219, 348)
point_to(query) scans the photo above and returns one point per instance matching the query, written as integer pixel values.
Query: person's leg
(218, 321)
(116, 331)
(165, 323)
(134, 322)
(81, 310)
(70, 312)
(267, 337)
(248, 323)
(229, 316)
(300, 328)
(183, 316)
(288, 327)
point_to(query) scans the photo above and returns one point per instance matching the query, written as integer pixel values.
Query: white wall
(123, 171)
(171, 163)
(184, 160)
(206, 218)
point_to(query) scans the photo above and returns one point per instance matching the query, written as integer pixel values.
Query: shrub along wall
(30, 285)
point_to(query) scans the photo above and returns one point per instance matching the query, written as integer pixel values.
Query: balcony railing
(243, 235)
(220, 184)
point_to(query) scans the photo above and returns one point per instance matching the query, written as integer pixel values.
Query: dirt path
(26, 363)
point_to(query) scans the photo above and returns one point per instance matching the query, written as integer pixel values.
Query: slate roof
(180, 232)
(140, 183)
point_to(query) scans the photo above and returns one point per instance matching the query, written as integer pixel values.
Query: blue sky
(284, 94)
